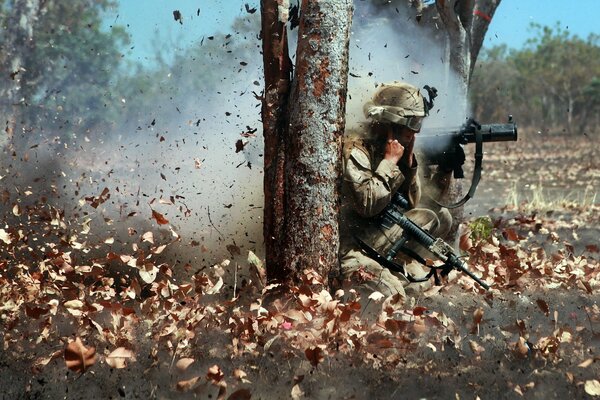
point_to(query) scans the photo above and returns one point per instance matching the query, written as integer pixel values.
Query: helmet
(398, 103)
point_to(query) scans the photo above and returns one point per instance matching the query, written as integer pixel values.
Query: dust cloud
(197, 159)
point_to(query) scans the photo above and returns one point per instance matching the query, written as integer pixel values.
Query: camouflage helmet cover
(395, 102)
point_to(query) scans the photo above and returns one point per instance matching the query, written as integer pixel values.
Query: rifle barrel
(490, 133)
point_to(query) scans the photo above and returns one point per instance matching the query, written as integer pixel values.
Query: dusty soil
(536, 334)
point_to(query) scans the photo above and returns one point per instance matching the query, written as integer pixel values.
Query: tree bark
(466, 23)
(278, 75)
(317, 119)
(482, 16)
(302, 131)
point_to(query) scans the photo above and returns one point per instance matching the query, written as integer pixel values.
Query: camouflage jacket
(369, 181)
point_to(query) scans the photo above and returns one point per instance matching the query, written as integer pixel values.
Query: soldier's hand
(393, 151)
(408, 152)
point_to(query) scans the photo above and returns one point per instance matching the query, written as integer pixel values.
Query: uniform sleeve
(372, 189)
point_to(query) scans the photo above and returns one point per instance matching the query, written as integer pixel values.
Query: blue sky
(144, 20)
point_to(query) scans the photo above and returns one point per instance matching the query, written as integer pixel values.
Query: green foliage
(481, 228)
(70, 66)
(551, 84)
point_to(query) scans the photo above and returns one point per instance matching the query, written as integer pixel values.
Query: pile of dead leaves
(97, 307)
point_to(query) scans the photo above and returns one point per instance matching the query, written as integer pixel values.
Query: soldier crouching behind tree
(378, 162)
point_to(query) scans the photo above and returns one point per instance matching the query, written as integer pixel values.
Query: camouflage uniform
(369, 182)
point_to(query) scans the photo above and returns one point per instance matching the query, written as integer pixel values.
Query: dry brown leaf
(592, 387)
(543, 305)
(183, 386)
(160, 219)
(586, 363)
(314, 355)
(215, 374)
(465, 242)
(119, 357)
(521, 347)
(184, 363)
(240, 394)
(78, 357)
(476, 347)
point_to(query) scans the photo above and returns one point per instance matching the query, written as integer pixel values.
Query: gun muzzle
(493, 133)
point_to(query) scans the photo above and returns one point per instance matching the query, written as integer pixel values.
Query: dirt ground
(534, 335)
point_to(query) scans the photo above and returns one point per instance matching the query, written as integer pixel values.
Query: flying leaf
(239, 145)
(476, 347)
(148, 237)
(78, 357)
(160, 219)
(148, 273)
(477, 317)
(177, 16)
(119, 357)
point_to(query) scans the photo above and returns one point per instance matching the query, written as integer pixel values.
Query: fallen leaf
(592, 387)
(119, 357)
(376, 296)
(586, 363)
(240, 394)
(543, 306)
(184, 363)
(314, 355)
(78, 357)
(476, 347)
(183, 386)
(215, 374)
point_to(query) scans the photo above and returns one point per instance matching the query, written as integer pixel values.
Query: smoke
(195, 158)
(389, 44)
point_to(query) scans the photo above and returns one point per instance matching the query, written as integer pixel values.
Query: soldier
(378, 162)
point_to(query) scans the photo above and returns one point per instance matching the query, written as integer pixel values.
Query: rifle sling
(476, 173)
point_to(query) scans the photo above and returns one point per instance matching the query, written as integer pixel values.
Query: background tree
(62, 63)
(551, 85)
(303, 125)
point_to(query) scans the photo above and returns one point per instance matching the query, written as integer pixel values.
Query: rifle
(393, 214)
(444, 147)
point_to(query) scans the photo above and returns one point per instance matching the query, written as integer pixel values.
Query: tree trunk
(278, 75)
(303, 146)
(482, 16)
(465, 23)
(317, 119)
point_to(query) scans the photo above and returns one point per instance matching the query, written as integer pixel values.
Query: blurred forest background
(72, 77)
